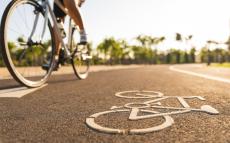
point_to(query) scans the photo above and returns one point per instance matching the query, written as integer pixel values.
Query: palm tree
(181, 38)
(143, 40)
(178, 37)
(127, 53)
(155, 41)
(111, 49)
(103, 47)
(192, 55)
(149, 42)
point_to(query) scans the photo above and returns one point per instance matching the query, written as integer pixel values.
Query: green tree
(149, 45)
(192, 55)
(186, 39)
(111, 49)
(104, 47)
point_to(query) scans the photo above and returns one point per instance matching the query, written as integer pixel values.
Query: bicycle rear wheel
(80, 59)
(25, 44)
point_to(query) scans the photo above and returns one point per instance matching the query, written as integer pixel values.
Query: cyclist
(73, 11)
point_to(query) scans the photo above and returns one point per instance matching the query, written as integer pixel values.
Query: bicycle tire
(27, 81)
(77, 61)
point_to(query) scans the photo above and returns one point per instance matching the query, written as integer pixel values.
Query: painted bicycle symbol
(150, 107)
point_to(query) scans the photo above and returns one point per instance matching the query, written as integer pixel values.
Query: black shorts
(58, 12)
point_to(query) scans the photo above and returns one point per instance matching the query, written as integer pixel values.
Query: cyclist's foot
(46, 67)
(83, 38)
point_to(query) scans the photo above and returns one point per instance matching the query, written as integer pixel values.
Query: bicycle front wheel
(80, 59)
(27, 43)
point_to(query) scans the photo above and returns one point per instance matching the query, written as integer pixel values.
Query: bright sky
(205, 19)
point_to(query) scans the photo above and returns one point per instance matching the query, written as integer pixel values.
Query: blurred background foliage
(111, 51)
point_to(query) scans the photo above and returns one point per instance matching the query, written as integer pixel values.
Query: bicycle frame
(48, 10)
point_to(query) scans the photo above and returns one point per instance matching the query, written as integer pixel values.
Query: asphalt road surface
(58, 111)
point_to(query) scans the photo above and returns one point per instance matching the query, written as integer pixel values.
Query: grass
(223, 65)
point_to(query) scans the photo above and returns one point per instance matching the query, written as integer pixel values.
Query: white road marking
(172, 68)
(134, 110)
(18, 92)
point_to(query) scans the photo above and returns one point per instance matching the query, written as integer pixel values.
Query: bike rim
(80, 64)
(25, 60)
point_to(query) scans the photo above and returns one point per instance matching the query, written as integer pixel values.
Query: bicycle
(149, 107)
(27, 42)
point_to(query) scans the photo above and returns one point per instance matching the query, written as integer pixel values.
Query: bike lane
(58, 112)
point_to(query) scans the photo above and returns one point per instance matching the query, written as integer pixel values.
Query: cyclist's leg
(74, 13)
(57, 42)
(60, 15)
(58, 46)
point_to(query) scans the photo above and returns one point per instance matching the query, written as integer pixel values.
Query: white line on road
(172, 68)
(18, 92)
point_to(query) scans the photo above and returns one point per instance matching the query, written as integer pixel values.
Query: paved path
(58, 111)
(4, 74)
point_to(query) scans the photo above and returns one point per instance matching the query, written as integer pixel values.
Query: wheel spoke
(25, 55)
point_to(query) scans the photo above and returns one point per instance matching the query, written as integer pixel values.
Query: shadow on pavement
(8, 84)
(62, 78)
